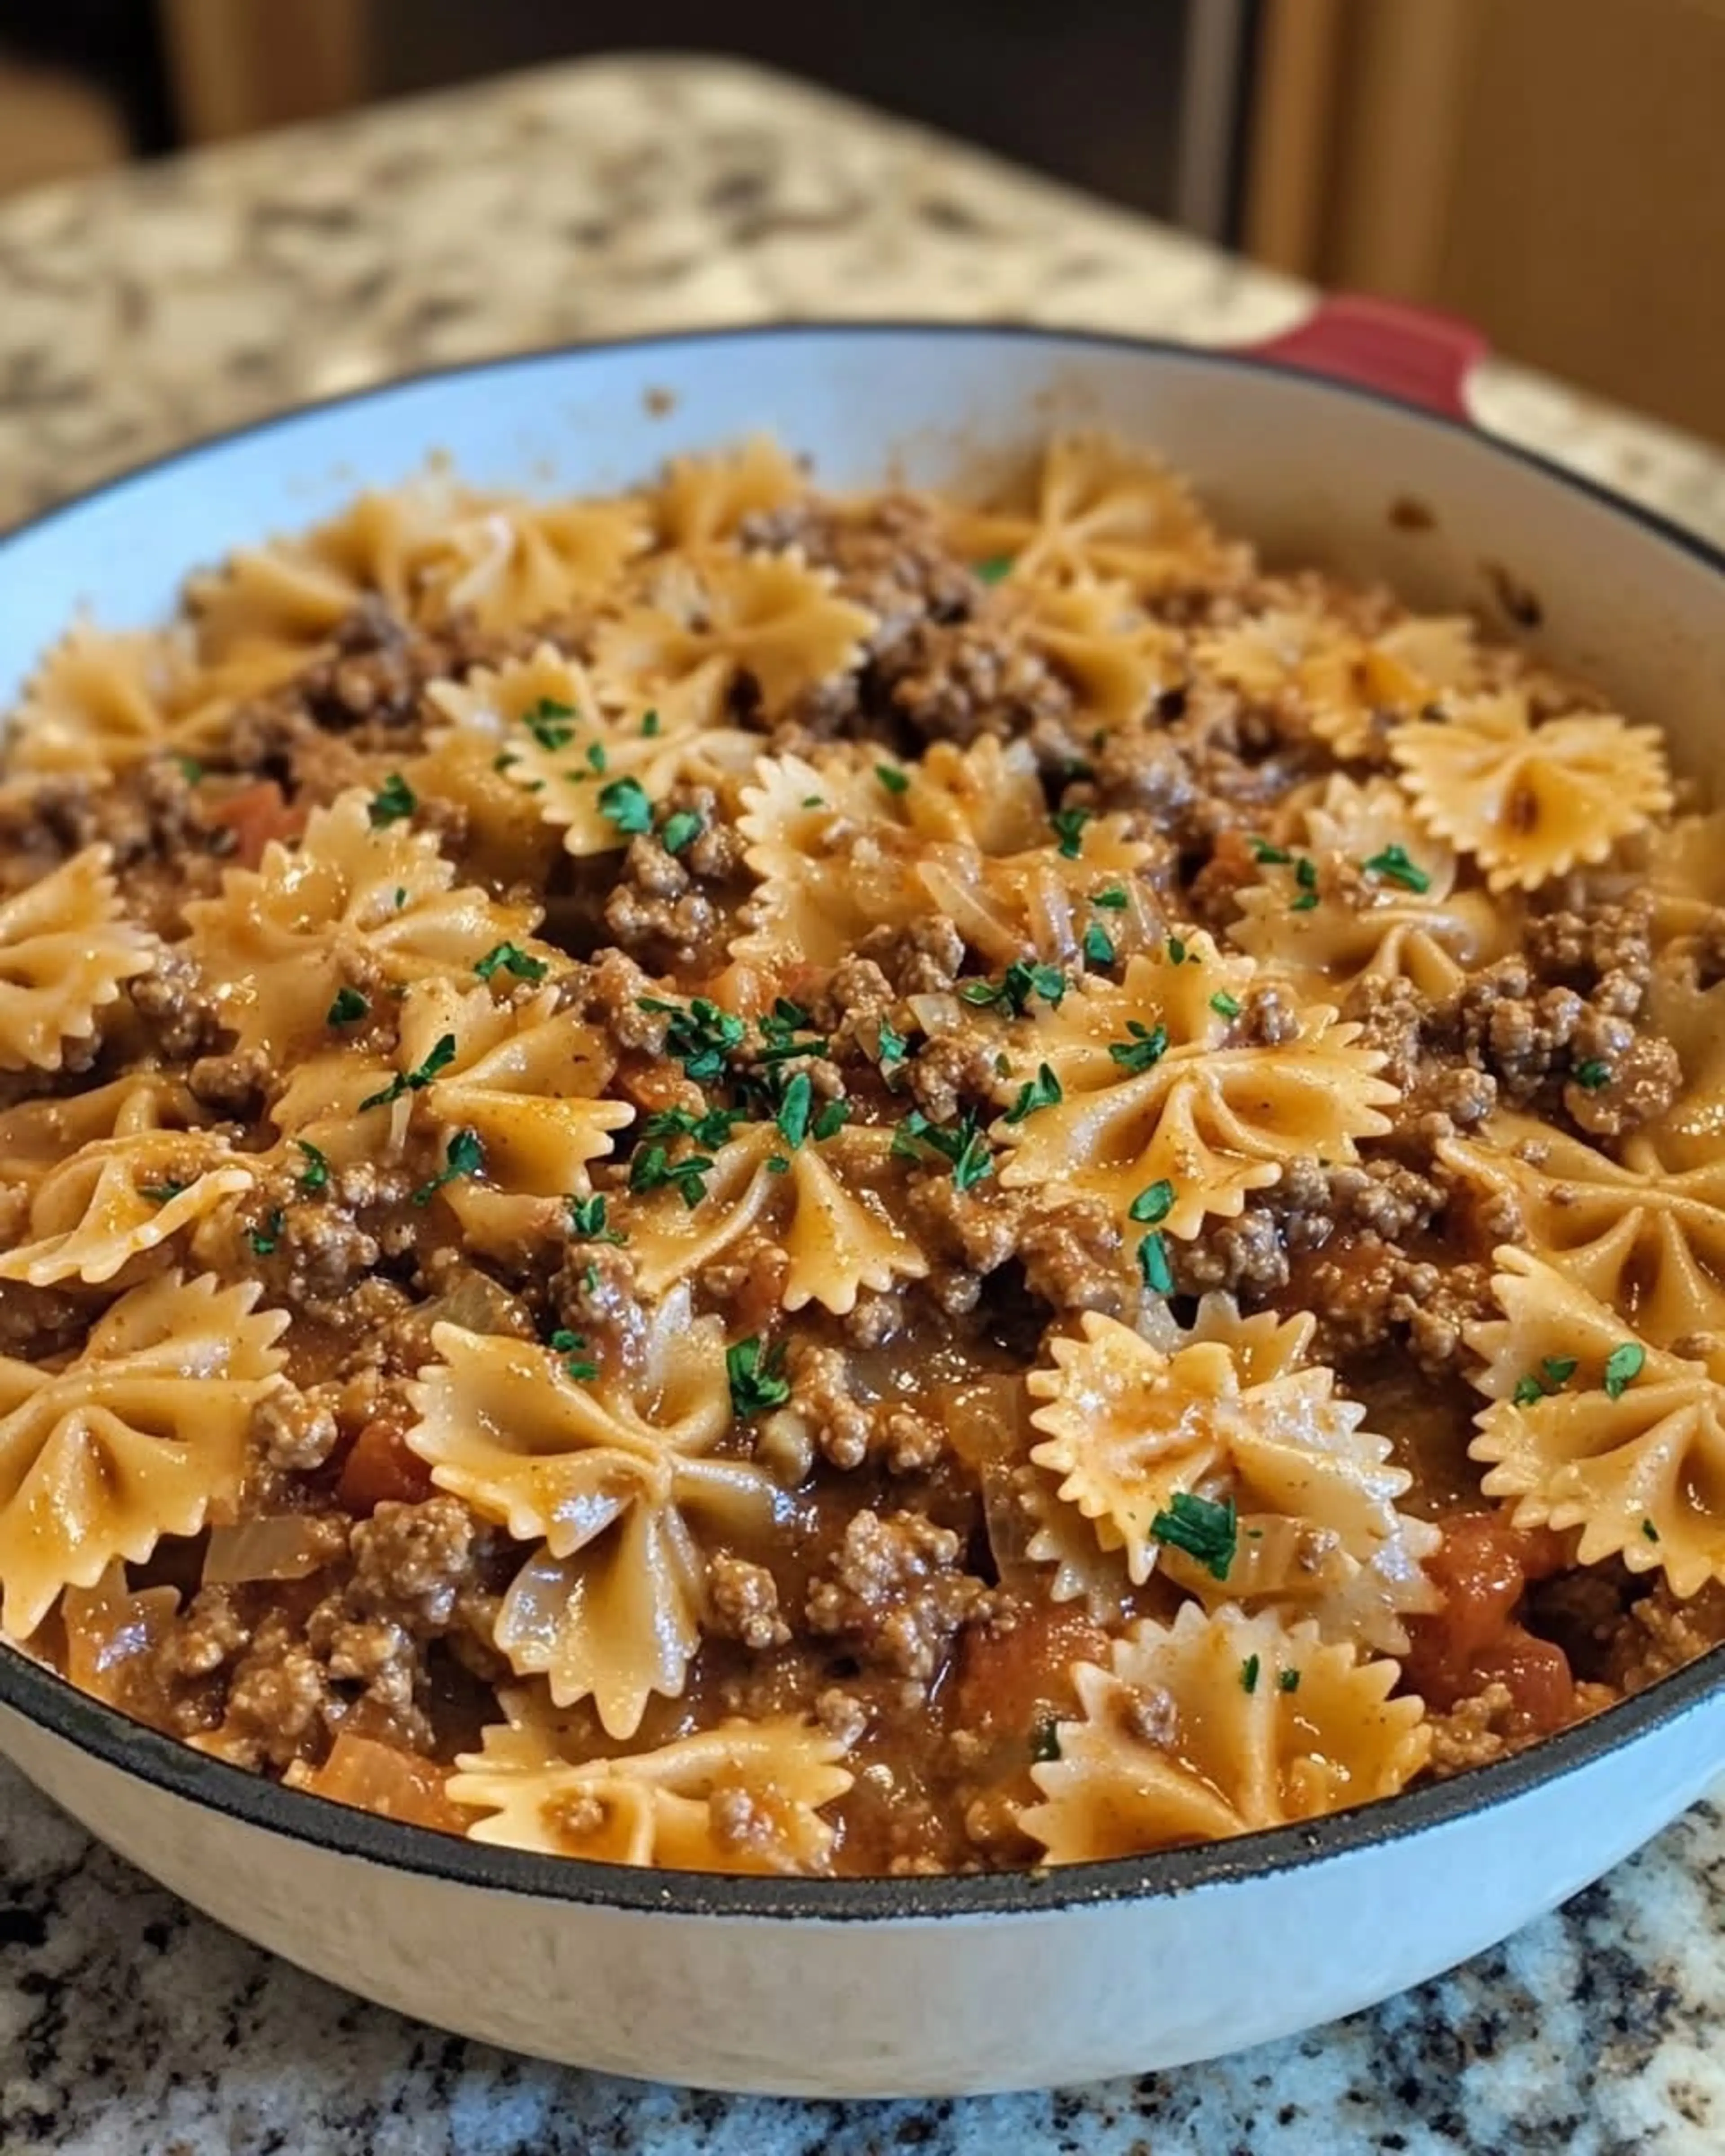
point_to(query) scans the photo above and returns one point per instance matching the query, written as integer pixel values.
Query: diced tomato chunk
(1009, 1682)
(380, 1470)
(1482, 1568)
(255, 815)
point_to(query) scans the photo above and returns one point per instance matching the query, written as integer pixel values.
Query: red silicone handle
(1407, 352)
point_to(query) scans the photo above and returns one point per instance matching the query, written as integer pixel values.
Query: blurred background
(1553, 169)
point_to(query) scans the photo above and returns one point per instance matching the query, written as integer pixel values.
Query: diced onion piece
(377, 1777)
(288, 1546)
(937, 1013)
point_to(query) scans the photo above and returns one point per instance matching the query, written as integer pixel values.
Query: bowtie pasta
(746, 1179)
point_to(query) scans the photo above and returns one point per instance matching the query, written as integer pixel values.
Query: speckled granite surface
(138, 310)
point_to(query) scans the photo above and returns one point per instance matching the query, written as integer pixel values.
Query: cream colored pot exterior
(896, 1986)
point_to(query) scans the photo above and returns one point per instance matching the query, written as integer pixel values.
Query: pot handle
(1412, 353)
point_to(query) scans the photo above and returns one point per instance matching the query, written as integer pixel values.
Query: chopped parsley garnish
(1249, 1673)
(756, 1383)
(1205, 1531)
(1622, 1366)
(512, 959)
(414, 1081)
(316, 1173)
(1114, 898)
(596, 757)
(464, 1155)
(1098, 945)
(891, 777)
(349, 1005)
(680, 830)
(549, 723)
(777, 1164)
(1147, 1046)
(565, 1342)
(1152, 1206)
(1306, 876)
(1153, 1267)
(1650, 1531)
(653, 1168)
(1289, 1681)
(832, 1119)
(814, 801)
(191, 770)
(503, 758)
(1069, 829)
(782, 1022)
(1528, 1393)
(1176, 951)
(794, 1109)
(1555, 1371)
(712, 1128)
(699, 1035)
(625, 802)
(263, 1239)
(158, 1194)
(1016, 986)
(1393, 865)
(401, 896)
(1558, 1369)
(1592, 1075)
(1045, 1741)
(649, 725)
(590, 1277)
(1271, 857)
(1225, 1005)
(890, 1045)
(995, 570)
(587, 1218)
(393, 799)
(964, 1145)
(1041, 1091)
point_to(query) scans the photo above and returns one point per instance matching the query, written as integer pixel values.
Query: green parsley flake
(832, 1119)
(464, 1155)
(565, 1342)
(995, 570)
(394, 800)
(1249, 1673)
(401, 896)
(1268, 855)
(650, 726)
(1152, 1206)
(1593, 1075)
(512, 959)
(596, 757)
(712, 1128)
(778, 1164)
(1289, 1681)
(699, 1035)
(680, 831)
(1041, 1091)
(503, 758)
(890, 1045)
(1306, 876)
(1393, 865)
(550, 723)
(1069, 829)
(1206, 1531)
(1045, 1742)
(891, 777)
(1650, 1531)
(756, 1381)
(1225, 1005)
(1114, 898)
(964, 1145)
(1098, 945)
(316, 1173)
(1153, 1265)
(414, 1081)
(1528, 1393)
(1558, 1369)
(191, 770)
(158, 1194)
(1145, 1050)
(1622, 1366)
(263, 1239)
(1016, 986)
(795, 1109)
(813, 801)
(587, 1218)
(653, 1168)
(349, 1005)
(625, 800)
(1176, 951)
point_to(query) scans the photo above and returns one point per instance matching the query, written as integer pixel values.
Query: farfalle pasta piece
(1593, 1426)
(1130, 1430)
(526, 1079)
(141, 1434)
(768, 620)
(1100, 642)
(1641, 1237)
(65, 948)
(353, 899)
(37, 1137)
(99, 702)
(1098, 510)
(701, 502)
(117, 1198)
(615, 1480)
(1380, 899)
(1530, 802)
(827, 1211)
(831, 858)
(1039, 904)
(1219, 1725)
(741, 1797)
(512, 564)
(1176, 1103)
(1686, 872)
(1350, 689)
(545, 731)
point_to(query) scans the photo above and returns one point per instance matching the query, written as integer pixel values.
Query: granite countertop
(140, 309)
